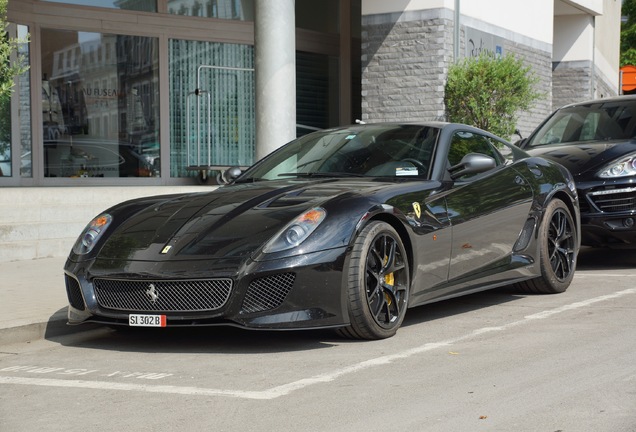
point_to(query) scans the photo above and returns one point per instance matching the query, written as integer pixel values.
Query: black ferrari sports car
(343, 228)
(596, 141)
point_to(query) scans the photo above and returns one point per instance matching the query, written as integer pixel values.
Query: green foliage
(9, 68)
(628, 34)
(488, 92)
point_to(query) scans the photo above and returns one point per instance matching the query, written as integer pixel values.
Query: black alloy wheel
(558, 251)
(378, 285)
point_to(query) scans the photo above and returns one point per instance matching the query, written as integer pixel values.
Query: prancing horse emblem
(417, 209)
(152, 293)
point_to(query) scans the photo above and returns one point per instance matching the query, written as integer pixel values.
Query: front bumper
(301, 292)
(608, 213)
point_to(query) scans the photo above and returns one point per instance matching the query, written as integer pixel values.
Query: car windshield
(599, 121)
(361, 151)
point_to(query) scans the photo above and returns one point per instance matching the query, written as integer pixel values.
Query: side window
(464, 143)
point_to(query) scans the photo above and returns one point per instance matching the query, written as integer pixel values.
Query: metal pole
(457, 33)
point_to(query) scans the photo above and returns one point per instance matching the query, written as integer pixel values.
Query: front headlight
(622, 168)
(296, 231)
(92, 233)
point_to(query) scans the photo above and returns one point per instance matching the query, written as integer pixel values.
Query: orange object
(629, 78)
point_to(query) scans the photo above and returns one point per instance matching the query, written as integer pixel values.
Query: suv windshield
(373, 151)
(599, 121)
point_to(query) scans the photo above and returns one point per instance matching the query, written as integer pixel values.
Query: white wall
(531, 19)
(579, 36)
(573, 38)
(608, 30)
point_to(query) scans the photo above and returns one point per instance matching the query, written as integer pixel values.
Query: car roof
(613, 99)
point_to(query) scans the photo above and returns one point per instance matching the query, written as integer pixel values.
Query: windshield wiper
(320, 174)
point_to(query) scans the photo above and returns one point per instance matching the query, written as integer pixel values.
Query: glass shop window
(240, 10)
(212, 120)
(135, 5)
(15, 129)
(100, 104)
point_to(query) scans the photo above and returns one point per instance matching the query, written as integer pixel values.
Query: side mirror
(520, 143)
(229, 175)
(472, 163)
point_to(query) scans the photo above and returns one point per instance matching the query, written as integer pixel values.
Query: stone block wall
(541, 63)
(571, 82)
(405, 59)
(579, 81)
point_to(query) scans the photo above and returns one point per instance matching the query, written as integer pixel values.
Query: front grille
(268, 292)
(614, 200)
(74, 292)
(162, 296)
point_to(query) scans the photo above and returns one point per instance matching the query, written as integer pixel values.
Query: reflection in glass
(20, 93)
(100, 104)
(136, 5)
(240, 10)
(5, 137)
(211, 105)
(24, 92)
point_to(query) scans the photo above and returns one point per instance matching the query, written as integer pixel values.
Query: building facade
(126, 98)
(572, 47)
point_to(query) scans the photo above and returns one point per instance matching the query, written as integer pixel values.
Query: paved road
(495, 361)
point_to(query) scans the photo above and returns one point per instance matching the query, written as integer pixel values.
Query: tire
(558, 248)
(378, 284)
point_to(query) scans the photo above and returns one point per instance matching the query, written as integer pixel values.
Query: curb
(55, 327)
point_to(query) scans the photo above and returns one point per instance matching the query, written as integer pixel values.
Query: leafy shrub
(488, 92)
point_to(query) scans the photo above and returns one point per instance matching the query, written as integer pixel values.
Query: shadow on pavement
(606, 259)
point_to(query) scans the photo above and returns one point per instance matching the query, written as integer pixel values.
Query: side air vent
(74, 293)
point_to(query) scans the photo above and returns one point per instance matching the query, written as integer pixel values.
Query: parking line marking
(285, 389)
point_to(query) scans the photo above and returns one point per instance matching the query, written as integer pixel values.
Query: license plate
(138, 320)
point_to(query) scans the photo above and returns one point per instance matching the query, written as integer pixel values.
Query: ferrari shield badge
(417, 209)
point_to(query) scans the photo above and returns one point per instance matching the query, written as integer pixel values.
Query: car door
(486, 211)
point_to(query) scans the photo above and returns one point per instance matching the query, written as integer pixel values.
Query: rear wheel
(558, 250)
(378, 283)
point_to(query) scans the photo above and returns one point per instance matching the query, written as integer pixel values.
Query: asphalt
(33, 301)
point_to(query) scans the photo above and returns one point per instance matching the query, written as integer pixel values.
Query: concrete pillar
(275, 74)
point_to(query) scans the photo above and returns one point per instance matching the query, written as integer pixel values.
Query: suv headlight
(621, 168)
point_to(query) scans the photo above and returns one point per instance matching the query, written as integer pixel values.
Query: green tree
(488, 92)
(628, 33)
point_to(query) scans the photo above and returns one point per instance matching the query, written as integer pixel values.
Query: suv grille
(162, 296)
(614, 200)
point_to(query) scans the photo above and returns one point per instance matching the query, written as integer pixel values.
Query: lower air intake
(267, 293)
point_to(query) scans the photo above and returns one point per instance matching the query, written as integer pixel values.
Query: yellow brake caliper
(389, 279)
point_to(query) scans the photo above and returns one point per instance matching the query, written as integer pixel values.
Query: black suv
(596, 141)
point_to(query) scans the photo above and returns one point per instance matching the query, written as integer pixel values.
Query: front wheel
(558, 250)
(378, 283)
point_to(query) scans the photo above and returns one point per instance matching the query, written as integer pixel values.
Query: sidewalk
(33, 300)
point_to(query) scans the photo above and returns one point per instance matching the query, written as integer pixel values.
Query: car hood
(584, 159)
(230, 222)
